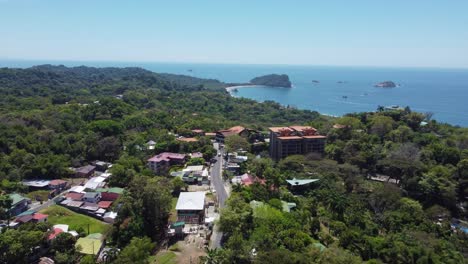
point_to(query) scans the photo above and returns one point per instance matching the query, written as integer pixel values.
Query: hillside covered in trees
(55, 117)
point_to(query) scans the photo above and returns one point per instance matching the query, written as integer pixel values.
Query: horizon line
(45, 61)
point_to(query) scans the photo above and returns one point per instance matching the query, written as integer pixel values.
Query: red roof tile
(74, 196)
(57, 182)
(39, 216)
(55, 233)
(166, 156)
(104, 204)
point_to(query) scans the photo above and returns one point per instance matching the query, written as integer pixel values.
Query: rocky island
(386, 84)
(274, 80)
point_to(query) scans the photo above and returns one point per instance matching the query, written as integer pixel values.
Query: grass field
(38, 195)
(61, 215)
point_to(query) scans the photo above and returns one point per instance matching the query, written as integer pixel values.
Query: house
(92, 207)
(105, 204)
(102, 165)
(198, 132)
(92, 197)
(232, 167)
(150, 145)
(46, 260)
(110, 194)
(246, 180)
(190, 207)
(187, 140)
(90, 245)
(162, 161)
(294, 140)
(19, 204)
(110, 217)
(36, 184)
(95, 182)
(85, 171)
(236, 130)
(58, 185)
(196, 155)
(32, 217)
(77, 189)
(74, 196)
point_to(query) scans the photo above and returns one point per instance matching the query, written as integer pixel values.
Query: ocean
(328, 89)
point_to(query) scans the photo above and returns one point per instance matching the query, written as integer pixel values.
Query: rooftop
(85, 169)
(167, 156)
(297, 182)
(16, 198)
(278, 129)
(191, 201)
(290, 137)
(184, 139)
(302, 128)
(36, 183)
(57, 182)
(74, 196)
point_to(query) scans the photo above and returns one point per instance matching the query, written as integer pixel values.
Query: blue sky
(429, 33)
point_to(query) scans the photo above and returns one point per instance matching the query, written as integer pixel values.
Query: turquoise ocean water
(339, 90)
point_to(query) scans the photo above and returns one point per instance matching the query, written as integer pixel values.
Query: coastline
(229, 89)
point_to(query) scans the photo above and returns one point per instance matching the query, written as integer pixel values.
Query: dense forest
(55, 117)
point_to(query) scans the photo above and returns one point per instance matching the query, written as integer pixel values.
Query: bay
(328, 89)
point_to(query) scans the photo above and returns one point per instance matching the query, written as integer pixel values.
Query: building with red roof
(58, 185)
(105, 204)
(163, 160)
(293, 140)
(55, 232)
(236, 130)
(74, 196)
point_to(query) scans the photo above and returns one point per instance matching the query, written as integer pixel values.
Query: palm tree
(213, 256)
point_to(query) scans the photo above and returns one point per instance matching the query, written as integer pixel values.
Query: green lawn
(164, 258)
(173, 216)
(40, 195)
(60, 215)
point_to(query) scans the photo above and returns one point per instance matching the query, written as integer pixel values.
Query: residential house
(110, 194)
(105, 204)
(92, 197)
(36, 184)
(198, 132)
(110, 217)
(246, 180)
(95, 182)
(57, 185)
(190, 207)
(196, 155)
(85, 171)
(162, 161)
(74, 196)
(102, 165)
(19, 204)
(236, 130)
(187, 140)
(150, 145)
(294, 140)
(32, 217)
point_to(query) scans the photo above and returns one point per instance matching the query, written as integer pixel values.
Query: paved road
(218, 183)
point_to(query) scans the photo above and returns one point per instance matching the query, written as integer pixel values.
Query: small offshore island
(273, 80)
(386, 84)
